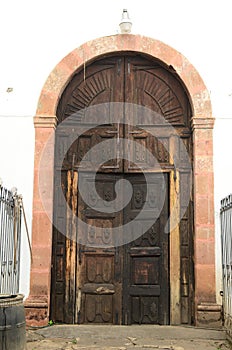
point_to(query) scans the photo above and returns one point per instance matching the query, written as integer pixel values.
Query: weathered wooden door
(75, 287)
(134, 275)
(99, 266)
(146, 259)
(130, 283)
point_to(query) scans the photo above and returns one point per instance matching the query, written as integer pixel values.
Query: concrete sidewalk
(68, 337)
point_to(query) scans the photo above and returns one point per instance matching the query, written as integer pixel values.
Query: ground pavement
(145, 337)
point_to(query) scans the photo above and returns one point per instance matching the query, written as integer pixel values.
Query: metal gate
(10, 237)
(226, 239)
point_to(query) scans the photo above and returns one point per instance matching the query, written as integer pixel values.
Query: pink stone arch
(38, 302)
(63, 72)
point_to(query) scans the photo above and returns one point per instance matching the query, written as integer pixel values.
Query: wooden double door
(124, 283)
(98, 276)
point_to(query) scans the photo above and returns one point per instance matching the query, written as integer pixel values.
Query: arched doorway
(206, 312)
(129, 283)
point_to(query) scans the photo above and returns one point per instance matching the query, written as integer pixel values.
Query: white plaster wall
(16, 170)
(36, 35)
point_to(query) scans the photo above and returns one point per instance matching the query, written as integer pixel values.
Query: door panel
(99, 267)
(146, 263)
(157, 103)
(157, 88)
(64, 251)
(86, 124)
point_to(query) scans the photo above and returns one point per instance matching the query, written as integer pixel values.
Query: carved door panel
(146, 259)
(90, 114)
(99, 280)
(156, 104)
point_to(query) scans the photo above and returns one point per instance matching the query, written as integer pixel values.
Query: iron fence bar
(226, 240)
(1, 234)
(10, 238)
(4, 263)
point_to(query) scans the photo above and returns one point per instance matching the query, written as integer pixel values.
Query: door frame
(38, 302)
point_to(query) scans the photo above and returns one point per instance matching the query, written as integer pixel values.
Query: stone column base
(209, 315)
(36, 312)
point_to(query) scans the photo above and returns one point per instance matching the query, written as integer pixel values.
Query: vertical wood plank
(175, 302)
